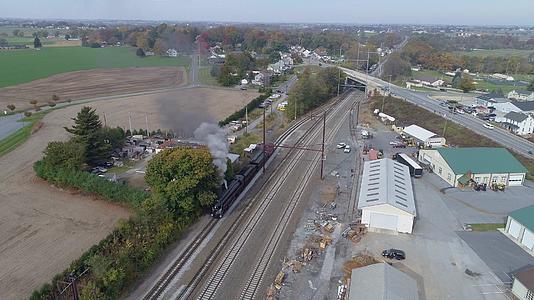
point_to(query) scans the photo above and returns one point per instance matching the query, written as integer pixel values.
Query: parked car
(347, 149)
(399, 145)
(394, 254)
(341, 145)
(488, 126)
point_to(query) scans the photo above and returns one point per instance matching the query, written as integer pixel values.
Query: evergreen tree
(37, 42)
(86, 123)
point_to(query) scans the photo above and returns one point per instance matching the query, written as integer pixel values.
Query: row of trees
(183, 181)
(312, 90)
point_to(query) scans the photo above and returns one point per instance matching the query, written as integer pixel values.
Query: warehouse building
(523, 285)
(458, 166)
(520, 227)
(381, 282)
(386, 196)
(424, 137)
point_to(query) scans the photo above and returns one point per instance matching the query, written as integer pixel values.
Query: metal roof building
(482, 164)
(520, 227)
(381, 282)
(428, 138)
(386, 196)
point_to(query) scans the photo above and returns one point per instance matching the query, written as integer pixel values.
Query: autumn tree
(395, 67)
(531, 86)
(160, 47)
(186, 178)
(466, 83)
(11, 107)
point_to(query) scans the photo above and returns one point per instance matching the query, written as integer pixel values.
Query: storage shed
(520, 227)
(386, 196)
(424, 137)
(483, 165)
(381, 282)
(523, 285)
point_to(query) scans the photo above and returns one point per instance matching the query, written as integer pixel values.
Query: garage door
(515, 228)
(383, 221)
(528, 239)
(515, 180)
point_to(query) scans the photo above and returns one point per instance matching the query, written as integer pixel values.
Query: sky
(457, 12)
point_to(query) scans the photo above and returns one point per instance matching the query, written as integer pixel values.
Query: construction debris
(361, 260)
(279, 280)
(271, 293)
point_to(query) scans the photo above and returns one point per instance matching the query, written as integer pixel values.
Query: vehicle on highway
(488, 126)
(341, 145)
(347, 149)
(394, 254)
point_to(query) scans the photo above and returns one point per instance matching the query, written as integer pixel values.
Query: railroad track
(257, 276)
(159, 288)
(218, 276)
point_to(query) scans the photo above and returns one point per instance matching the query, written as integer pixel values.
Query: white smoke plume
(215, 139)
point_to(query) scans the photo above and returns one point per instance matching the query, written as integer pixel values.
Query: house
(381, 281)
(424, 137)
(386, 196)
(262, 78)
(321, 51)
(518, 123)
(524, 106)
(429, 81)
(233, 157)
(520, 228)
(277, 68)
(459, 166)
(216, 60)
(521, 95)
(502, 77)
(489, 100)
(172, 53)
(523, 284)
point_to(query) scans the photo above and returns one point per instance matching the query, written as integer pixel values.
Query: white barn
(386, 196)
(426, 137)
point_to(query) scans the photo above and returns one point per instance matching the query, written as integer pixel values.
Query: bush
(67, 177)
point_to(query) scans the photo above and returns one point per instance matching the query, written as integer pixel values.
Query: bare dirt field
(91, 83)
(181, 110)
(43, 229)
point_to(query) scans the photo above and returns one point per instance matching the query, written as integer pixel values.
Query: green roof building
(458, 166)
(520, 228)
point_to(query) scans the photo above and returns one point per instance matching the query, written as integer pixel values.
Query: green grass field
(497, 52)
(20, 136)
(486, 226)
(20, 66)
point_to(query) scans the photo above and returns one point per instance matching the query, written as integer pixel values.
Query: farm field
(497, 52)
(90, 84)
(44, 228)
(22, 66)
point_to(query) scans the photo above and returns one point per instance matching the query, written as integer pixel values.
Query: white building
(518, 123)
(520, 228)
(425, 137)
(459, 166)
(381, 282)
(386, 196)
(429, 81)
(523, 285)
(172, 53)
(521, 95)
(502, 77)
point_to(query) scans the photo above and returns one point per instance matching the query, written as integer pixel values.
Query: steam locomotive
(240, 182)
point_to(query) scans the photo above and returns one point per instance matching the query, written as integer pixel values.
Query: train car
(228, 197)
(248, 173)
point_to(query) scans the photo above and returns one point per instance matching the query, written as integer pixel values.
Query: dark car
(394, 254)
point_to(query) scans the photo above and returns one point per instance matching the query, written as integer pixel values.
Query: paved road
(498, 135)
(380, 68)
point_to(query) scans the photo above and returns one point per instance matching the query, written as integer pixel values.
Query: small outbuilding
(523, 285)
(381, 282)
(425, 137)
(520, 227)
(386, 196)
(483, 165)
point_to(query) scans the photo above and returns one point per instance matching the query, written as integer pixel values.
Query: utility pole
(146, 121)
(105, 120)
(264, 145)
(246, 119)
(322, 145)
(445, 127)
(295, 109)
(130, 121)
(339, 74)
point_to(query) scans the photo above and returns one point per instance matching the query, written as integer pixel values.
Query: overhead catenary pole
(130, 121)
(264, 158)
(246, 119)
(322, 145)
(105, 120)
(146, 122)
(339, 74)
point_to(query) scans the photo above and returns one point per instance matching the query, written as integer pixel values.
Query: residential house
(459, 166)
(429, 81)
(216, 60)
(521, 95)
(523, 285)
(277, 68)
(172, 53)
(487, 100)
(518, 123)
(262, 78)
(524, 106)
(502, 77)
(321, 51)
